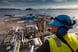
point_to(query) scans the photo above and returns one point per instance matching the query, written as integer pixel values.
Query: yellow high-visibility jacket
(56, 45)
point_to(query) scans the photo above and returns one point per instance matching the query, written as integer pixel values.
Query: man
(62, 40)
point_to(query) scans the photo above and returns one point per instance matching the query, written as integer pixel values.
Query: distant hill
(28, 8)
(62, 9)
(9, 9)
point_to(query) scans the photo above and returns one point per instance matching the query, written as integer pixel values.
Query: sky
(23, 4)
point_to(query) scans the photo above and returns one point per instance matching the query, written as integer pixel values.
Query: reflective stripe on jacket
(56, 45)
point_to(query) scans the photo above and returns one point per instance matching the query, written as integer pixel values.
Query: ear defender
(62, 31)
(64, 22)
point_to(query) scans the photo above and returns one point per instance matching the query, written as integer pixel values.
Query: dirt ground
(5, 24)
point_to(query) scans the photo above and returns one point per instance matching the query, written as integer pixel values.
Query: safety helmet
(62, 20)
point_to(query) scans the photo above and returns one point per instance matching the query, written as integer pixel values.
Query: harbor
(18, 35)
(38, 25)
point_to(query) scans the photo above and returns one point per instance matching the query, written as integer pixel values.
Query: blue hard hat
(64, 18)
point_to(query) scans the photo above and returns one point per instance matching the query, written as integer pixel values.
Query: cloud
(25, 0)
(5, 1)
(65, 6)
(60, 0)
(43, 0)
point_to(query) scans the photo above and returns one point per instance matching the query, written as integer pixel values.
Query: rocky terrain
(5, 24)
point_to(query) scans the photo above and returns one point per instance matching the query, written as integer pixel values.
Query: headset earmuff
(62, 30)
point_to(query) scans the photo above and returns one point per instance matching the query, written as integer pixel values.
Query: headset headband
(65, 22)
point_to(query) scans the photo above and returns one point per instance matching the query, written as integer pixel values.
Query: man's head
(61, 24)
